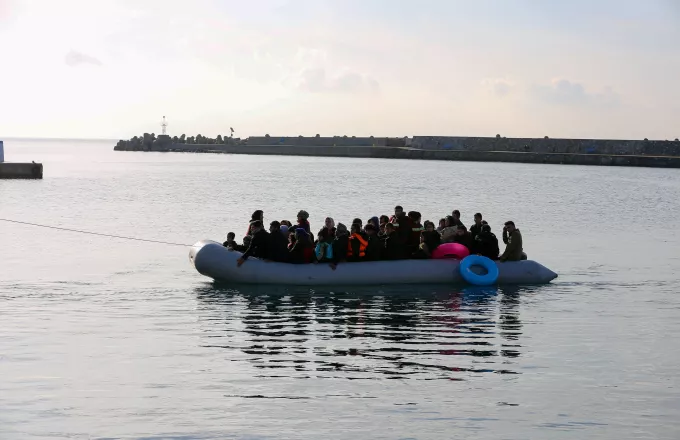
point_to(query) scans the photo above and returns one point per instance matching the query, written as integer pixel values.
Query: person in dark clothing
(259, 245)
(429, 241)
(513, 240)
(477, 227)
(384, 220)
(302, 221)
(413, 240)
(463, 237)
(327, 233)
(231, 242)
(486, 243)
(375, 244)
(375, 222)
(442, 225)
(395, 246)
(340, 245)
(257, 215)
(429, 226)
(303, 250)
(432, 240)
(356, 248)
(358, 221)
(404, 227)
(456, 218)
(398, 212)
(278, 246)
(246, 242)
(291, 238)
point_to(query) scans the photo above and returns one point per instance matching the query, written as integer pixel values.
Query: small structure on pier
(18, 170)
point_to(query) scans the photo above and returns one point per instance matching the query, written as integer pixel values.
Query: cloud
(498, 86)
(315, 80)
(75, 59)
(568, 93)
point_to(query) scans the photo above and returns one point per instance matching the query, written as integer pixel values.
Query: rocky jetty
(162, 142)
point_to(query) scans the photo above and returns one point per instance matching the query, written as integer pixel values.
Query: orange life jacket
(362, 245)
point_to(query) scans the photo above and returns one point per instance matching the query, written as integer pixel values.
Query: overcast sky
(112, 69)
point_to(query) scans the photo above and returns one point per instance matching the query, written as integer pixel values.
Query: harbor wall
(461, 143)
(485, 149)
(10, 170)
(458, 155)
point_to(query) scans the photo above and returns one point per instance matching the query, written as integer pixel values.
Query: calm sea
(111, 338)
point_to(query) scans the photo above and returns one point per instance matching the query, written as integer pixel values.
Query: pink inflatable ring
(450, 250)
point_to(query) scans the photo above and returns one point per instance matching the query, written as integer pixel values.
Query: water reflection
(433, 332)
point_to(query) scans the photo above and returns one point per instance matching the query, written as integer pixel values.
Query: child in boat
(246, 244)
(429, 226)
(231, 242)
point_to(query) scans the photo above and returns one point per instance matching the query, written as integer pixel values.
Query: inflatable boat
(219, 263)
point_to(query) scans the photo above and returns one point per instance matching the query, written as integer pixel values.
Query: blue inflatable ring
(478, 280)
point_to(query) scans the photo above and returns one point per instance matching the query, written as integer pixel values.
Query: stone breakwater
(646, 153)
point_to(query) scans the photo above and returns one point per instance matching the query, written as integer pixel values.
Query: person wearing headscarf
(375, 222)
(328, 230)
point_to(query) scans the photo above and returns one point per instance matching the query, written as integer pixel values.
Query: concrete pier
(19, 170)
(631, 153)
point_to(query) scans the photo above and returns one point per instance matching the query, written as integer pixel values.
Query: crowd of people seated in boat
(401, 236)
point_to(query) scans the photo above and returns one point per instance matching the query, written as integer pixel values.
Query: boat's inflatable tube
(450, 250)
(215, 261)
(487, 279)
